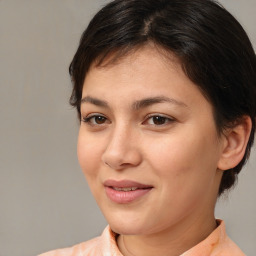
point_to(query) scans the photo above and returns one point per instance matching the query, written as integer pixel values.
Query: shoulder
(86, 248)
(224, 246)
(102, 245)
(228, 247)
(216, 244)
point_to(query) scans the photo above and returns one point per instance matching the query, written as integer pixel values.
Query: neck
(170, 242)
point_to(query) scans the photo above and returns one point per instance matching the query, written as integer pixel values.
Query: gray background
(44, 200)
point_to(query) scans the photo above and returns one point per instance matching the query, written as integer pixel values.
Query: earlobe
(234, 145)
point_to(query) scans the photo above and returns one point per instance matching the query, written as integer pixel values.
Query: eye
(95, 120)
(158, 120)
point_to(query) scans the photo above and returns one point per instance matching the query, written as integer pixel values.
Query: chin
(126, 229)
(126, 226)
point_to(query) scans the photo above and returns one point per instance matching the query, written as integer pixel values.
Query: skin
(179, 157)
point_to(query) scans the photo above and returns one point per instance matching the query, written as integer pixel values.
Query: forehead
(117, 56)
(146, 66)
(150, 59)
(145, 73)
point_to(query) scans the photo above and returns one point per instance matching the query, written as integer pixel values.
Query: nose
(122, 150)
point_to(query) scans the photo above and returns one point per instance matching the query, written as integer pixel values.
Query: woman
(165, 91)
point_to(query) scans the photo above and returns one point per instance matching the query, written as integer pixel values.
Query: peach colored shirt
(216, 244)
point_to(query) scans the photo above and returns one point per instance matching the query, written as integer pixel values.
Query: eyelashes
(155, 120)
(158, 120)
(95, 120)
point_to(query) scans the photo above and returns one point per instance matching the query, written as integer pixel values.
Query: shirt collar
(108, 244)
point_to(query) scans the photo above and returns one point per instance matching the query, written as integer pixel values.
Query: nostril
(119, 156)
(116, 165)
(106, 163)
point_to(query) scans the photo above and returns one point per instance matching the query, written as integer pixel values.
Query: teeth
(125, 189)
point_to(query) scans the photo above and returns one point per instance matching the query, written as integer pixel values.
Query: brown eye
(95, 120)
(159, 120)
(100, 119)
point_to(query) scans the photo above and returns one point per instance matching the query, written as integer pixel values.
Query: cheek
(186, 173)
(182, 159)
(88, 155)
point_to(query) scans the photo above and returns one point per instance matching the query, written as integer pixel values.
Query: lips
(125, 191)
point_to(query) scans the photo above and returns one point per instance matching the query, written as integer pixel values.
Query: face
(148, 144)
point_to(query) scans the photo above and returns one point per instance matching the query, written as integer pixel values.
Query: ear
(234, 144)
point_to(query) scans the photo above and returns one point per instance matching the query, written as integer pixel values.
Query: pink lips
(125, 191)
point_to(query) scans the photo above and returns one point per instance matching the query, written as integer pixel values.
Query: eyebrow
(94, 101)
(154, 100)
(143, 103)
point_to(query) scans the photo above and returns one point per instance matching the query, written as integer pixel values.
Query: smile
(125, 191)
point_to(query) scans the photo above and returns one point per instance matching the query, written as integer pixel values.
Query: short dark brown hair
(213, 48)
